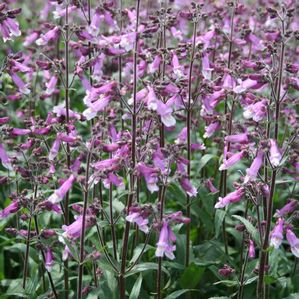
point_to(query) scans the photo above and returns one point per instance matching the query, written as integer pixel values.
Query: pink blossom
(59, 194)
(238, 138)
(235, 158)
(275, 155)
(165, 244)
(287, 209)
(10, 209)
(211, 129)
(49, 262)
(257, 111)
(232, 197)
(20, 84)
(252, 172)
(150, 175)
(276, 235)
(293, 241)
(135, 217)
(50, 36)
(51, 85)
(251, 250)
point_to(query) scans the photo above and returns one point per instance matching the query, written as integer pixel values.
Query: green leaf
(191, 276)
(219, 217)
(250, 228)
(136, 288)
(176, 294)
(204, 160)
(146, 267)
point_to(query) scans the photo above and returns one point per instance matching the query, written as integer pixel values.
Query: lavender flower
(165, 244)
(49, 259)
(10, 209)
(232, 197)
(252, 172)
(293, 241)
(287, 209)
(4, 158)
(276, 236)
(275, 155)
(59, 194)
(135, 217)
(232, 160)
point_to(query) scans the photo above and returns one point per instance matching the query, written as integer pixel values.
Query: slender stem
(264, 254)
(68, 158)
(112, 225)
(26, 254)
(44, 259)
(188, 125)
(82, 237)
(159, 272)
(122, 281)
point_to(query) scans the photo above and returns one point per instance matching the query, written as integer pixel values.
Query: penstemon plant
(149, 149)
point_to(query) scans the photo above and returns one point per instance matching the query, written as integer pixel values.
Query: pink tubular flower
(54, 149)
(251, 173)
(73, 231)
(9, 27)
(187, 186)
(234, 196)
(135, 217)
(20, 84)
(256, 111)
(238, 138)
(51, 85)
(165, 244)
(275, 155)
(49, 262)
(251, 250)
(165, 111)
(20, 132)
(293, 241)
(95, 107)
(210, 186)
(276, 236)
(231, 161)
(150, 175)
(59, 194)
(154, 66)
(4, 158)
(211, 129)
(51, 35)
(287, 209)
(12, 208)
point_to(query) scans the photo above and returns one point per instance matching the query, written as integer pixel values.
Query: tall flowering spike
(293, 241)
(49, 262)
(232, 197)
(165, 244)
(251, 250)
(252, 171)
(4, 158)
(232, 160)
(275, 155)
(59, 194)
(287, 209)
(276, 236)
(12, 208)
